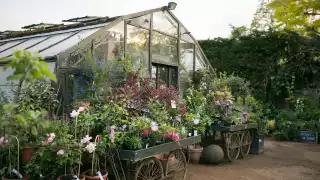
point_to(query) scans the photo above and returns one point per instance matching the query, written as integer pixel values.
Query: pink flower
(53, 135)
(81, 109)
(50, 139)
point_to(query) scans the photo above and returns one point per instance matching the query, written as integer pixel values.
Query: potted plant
(69, 156)
(11, 173)
(94, 173)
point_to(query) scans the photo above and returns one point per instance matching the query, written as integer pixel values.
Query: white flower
(91, 147)
(1, 140)
(60, 152)
(81, 109)
(153, 123)
(196, 121)
(124, 127)
(53, 135)
(113, 127)
(74, 114)
(154, 128)
(86, 139)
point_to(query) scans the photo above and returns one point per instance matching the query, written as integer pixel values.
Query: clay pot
(162, 157)
(69, 176)
(4, 178)
(195, 153)
(27, 154)
(87, 177)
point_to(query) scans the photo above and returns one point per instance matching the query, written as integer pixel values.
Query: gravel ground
(280, 161)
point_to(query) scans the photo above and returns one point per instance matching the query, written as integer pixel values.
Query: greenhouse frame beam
(195, 41)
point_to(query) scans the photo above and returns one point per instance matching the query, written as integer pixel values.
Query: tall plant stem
(18, 156)
(75, 129)
(79, 166)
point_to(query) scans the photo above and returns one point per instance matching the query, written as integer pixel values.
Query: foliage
(296, 15)
(36, 96)
(276, 63)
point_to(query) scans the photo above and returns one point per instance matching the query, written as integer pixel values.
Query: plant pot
(195, 154)
(88, 177)
(162, 157)
(4, 178)
(69, 177)
(27, 154)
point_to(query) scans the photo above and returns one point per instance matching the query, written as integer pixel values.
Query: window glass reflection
(186, 64)
(164, 49)
(142, 21)
(163, 22)
(137, 46)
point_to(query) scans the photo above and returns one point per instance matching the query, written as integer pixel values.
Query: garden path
(280, 161)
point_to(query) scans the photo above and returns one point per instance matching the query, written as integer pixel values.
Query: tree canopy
(297, 15)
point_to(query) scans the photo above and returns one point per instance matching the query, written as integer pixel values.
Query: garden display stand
(144, 164)
(236, 139)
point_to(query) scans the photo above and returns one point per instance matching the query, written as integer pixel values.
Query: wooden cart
(235, 139)
(145, 164)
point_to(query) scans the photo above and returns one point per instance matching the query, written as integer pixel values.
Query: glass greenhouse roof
(48, 44)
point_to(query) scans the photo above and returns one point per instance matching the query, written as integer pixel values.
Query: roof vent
(42, 26)
(85, 19)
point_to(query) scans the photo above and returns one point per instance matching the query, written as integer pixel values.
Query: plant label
(173, 104)
(195, 133)
(100, 176)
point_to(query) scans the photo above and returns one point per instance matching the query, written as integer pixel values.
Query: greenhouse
(154, 39)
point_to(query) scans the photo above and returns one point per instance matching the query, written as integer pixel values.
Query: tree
(262, 19)
(297, 15)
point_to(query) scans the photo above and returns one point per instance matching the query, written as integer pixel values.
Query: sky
(203, 18)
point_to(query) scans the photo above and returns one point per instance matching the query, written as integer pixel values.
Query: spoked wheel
(149, 169)
(246, 141)
(176, 166)
(233, 145)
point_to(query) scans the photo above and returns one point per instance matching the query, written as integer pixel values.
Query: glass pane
(154, 72)
(163, 22)
(186, 64)
(163, 73)
(64, 45)
(142, 21)
(185, 35)
(53, 39)
(164, 49)
(108, 46)
(9, 44)
(137, 46)
(22, 46)
(6, 87)
(200, 63)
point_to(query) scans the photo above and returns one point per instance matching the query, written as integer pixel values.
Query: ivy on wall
(278, 64)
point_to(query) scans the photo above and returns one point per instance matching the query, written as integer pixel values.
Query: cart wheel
(233, 145)
(150, 169)
(176, 166)
(246, 141)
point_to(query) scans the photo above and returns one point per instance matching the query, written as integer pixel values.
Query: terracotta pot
(27, 154)
(4, 178)
(70, 175)
(87, 177)
(161, 157)
(195, 154)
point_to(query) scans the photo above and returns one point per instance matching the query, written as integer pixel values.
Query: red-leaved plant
(145, 90)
